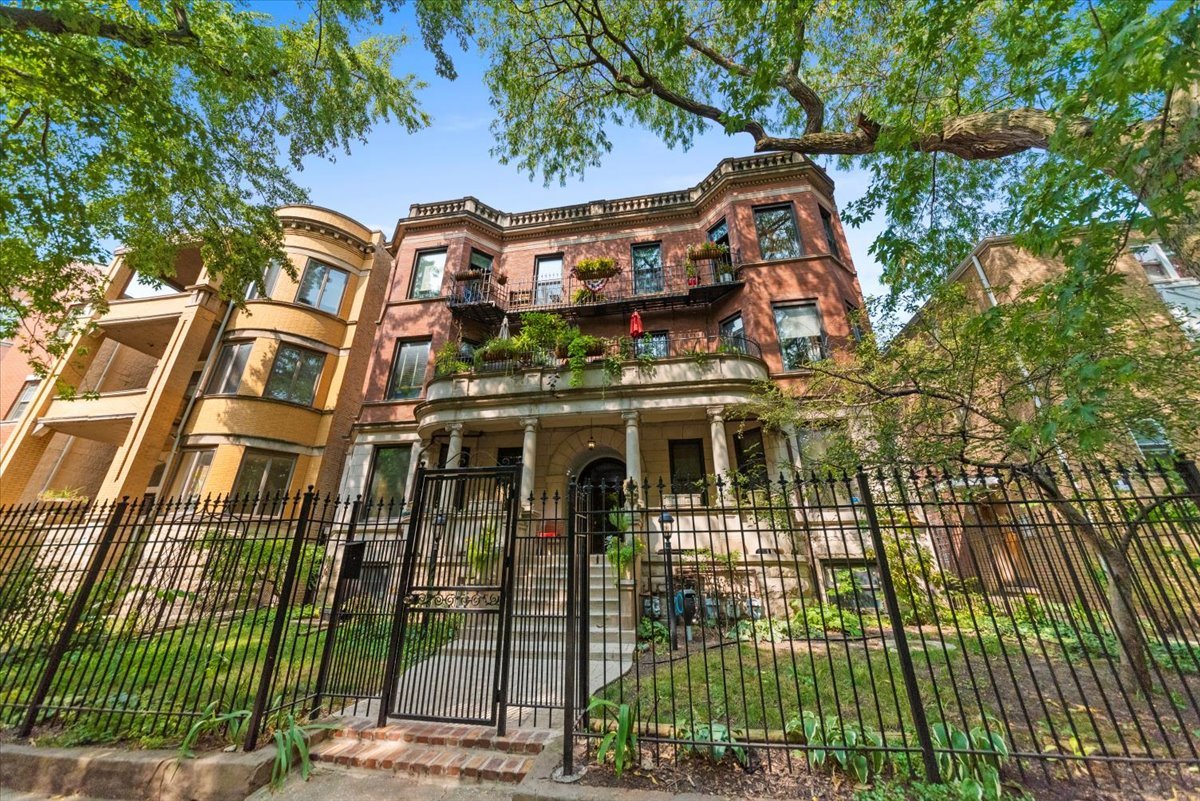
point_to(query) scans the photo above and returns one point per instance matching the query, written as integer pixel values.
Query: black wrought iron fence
(996, 623)
(133, 619)
(992, 625)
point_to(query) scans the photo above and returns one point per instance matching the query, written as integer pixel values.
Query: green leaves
(620, 738)
(162, 125)
(1037, 118)
(1065, 367)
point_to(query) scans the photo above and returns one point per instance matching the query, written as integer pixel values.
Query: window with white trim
(801, 341)
(23, 399)
(227, 372)
(428, 271)
(192, 472)
(264, 475)
(1151, 439)
(269, 279)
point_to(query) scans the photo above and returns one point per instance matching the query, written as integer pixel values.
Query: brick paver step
(419, 759)
(517, 741)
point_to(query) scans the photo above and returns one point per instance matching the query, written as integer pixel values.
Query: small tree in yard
(1024, 387)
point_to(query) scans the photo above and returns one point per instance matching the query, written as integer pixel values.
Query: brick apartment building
(183, 393)
(331, 381)
(991, 540)
(713, 329)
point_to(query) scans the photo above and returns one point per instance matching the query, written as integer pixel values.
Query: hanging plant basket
(707, 251)
(592, 347)
(594, 273)
(498, 350)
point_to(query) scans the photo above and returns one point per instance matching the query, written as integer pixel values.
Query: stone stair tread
(455, 751)
(453, 734)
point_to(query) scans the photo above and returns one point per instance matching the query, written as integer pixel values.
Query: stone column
(414, 461)
(163, 401)
(454, 452)
(633, 450)
(528, 459)
(720, 443)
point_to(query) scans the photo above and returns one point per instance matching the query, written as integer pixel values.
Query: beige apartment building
(998, 270)
(182, 393)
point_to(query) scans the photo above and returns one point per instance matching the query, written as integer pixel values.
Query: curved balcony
(295, 318)
(254, 416)
(663, 363)
(672, 285)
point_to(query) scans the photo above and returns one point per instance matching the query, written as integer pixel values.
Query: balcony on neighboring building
(105, 417)
(483, 298)
(144, 324)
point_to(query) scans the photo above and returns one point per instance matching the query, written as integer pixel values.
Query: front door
(601, 494)
(448, 658)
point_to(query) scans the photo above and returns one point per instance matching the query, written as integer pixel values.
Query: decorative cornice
(686, 202)
(309, 226)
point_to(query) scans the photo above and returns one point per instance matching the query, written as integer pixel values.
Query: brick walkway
(453, 751)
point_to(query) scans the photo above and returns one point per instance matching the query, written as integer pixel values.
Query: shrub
(815, 620)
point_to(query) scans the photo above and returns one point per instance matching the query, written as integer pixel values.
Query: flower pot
(693, 280)
(595, 349)
(596, 271)
(468, 275)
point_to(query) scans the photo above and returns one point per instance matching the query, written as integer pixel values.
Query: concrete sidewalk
(331, 783)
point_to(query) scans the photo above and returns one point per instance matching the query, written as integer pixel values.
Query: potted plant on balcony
(599, 268)
(693, 273)
(498, 350)
(713, 252)
(448, 360)
(585, 295)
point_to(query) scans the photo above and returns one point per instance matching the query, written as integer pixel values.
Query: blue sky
(378, 181)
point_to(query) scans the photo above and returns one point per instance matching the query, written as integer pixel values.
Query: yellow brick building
(183, 393)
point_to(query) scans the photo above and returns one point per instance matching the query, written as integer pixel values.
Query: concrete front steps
(446, 750)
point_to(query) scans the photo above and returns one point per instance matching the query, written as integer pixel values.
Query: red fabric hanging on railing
(635, 325)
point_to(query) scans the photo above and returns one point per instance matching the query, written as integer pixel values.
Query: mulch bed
(688, 773)
(694, 774)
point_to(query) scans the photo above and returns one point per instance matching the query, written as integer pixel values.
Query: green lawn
(150, 688)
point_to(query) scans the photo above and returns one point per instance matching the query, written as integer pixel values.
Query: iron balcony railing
(700, 347)
(671, 280)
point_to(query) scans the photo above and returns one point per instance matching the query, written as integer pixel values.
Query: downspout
(993, 303)
(209, 361)
(1037, 399)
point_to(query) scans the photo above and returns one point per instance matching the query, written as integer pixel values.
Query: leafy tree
(164, 123)
(1047, 378)
(1029, 382)
(973, 116)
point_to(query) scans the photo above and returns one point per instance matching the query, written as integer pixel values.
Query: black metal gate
(453, 615)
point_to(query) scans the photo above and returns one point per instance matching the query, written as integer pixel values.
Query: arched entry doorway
(600, 491)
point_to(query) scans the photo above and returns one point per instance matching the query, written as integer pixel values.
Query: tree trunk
(1163, 188)
(1135, 666)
